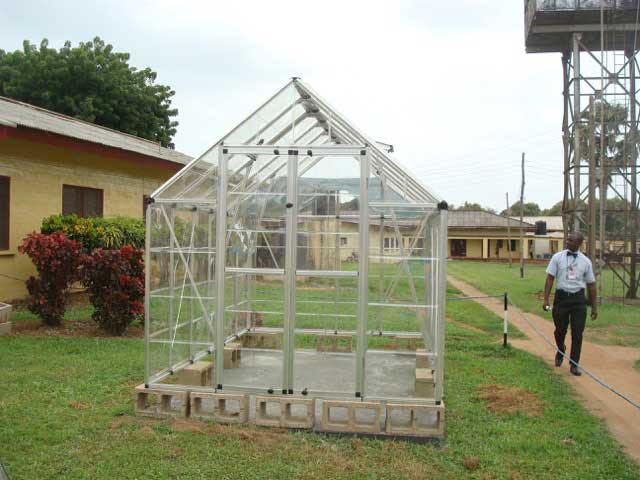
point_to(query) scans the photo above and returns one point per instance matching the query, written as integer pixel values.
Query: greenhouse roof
(292, 118)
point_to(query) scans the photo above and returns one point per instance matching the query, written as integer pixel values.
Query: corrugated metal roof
(554, 222)
(482, 219)
(14, 113)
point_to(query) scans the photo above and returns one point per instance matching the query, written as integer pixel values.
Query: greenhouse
(295, 277)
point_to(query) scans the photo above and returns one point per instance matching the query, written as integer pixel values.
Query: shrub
(57, 260)
(97, 232)
(115, 282)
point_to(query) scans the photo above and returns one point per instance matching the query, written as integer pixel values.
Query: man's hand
(594, 313)
(545, 306)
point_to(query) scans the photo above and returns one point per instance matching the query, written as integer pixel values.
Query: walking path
(612, 364)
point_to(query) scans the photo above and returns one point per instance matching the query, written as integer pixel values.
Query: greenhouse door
(327, 188)
(294, 257)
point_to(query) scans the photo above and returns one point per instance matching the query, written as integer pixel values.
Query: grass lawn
(616, 324)
(66, 411)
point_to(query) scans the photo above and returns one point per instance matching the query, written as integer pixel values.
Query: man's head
(574, 241)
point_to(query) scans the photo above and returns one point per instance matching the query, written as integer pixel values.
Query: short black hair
(577, 236)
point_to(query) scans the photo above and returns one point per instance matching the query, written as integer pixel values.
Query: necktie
(570, 254)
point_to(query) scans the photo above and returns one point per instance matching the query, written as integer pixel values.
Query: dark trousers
(570, 310)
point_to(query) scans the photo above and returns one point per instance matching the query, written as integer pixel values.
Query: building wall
(37, 174)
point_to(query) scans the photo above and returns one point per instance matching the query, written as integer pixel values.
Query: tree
(556, 209)
(91, 82)
(473, 206)
(531, 209)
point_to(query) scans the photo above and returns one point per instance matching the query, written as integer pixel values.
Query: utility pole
(509, 231)
(521, 226)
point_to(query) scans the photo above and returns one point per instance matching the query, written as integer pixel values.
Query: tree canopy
(531, 209)
(91, 82)
(472, 206)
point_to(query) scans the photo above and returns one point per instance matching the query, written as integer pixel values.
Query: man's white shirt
(571, 274)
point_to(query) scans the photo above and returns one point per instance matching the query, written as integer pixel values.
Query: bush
(115, 282)
(57, 260)
(105, 233)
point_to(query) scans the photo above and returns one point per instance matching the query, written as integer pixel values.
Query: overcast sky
(446, 82)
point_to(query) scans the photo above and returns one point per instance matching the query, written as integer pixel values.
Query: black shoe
(575, 370)
(559, 359)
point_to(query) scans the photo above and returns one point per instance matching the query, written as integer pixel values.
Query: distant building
(476, 234)
(51, 163)
(551, 241)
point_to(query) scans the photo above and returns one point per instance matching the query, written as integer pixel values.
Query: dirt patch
(69, 328)
(471, 463)
(465, 325)
(78, 405)
(510, 400)
(263, 437)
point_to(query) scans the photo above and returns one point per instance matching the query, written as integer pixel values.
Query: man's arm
(592, 300)
(547, 290)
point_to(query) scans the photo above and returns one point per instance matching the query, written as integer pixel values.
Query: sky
(447, 83)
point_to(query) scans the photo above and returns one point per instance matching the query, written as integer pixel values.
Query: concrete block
(232, 355)
(284, 412)
(269, 341)
(220, 407)
(422, 358)
(425, 383)
(334, 343)
(161, 403)
(5, 328)
(415, 419)
(198, 373)
(358, 417)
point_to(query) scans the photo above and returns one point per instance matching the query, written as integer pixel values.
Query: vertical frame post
(147, 300)
(221, 261)
(363, 275)
(577, 141)
(291, 247)
(173, 245)
(441, 287)
(194, 221)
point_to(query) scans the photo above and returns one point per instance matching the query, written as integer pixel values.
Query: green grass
(616, 325)
(66, 411)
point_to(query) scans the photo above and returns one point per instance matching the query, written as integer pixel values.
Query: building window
(343, 240)
(83, 201)
(5, 197)
(512, 246)
(390, 242)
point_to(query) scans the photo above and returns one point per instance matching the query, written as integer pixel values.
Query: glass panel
(181, 290)
(328, 212)
(259, 306)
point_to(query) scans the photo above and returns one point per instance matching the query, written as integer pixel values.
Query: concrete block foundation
(414, 419)
(221, 407)
(355, 417)
(161, 403)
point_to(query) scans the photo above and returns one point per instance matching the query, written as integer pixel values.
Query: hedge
(107, 233)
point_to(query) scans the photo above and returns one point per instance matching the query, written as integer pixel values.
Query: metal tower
(598, 40)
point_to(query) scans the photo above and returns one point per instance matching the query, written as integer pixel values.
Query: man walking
(572, 271)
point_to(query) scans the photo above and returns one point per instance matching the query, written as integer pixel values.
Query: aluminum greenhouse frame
(292, 238)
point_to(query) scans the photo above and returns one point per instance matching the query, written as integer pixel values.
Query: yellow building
(51, 164)
(485, 235)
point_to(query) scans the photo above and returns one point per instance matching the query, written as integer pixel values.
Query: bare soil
(70, 328)
(510, 400)
(612, 364)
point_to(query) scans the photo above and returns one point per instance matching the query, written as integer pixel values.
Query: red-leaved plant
(57, 260)
(115, 282)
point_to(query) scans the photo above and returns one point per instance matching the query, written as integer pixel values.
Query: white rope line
(602, 383)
